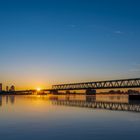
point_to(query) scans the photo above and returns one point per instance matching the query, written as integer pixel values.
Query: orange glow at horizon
(38, 89)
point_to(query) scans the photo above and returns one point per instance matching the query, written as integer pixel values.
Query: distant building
(0, 87)
(7, 88)
(12, 88)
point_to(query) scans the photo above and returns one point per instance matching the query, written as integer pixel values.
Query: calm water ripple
(69, 117)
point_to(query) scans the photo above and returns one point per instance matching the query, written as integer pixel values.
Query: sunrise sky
(45, 42)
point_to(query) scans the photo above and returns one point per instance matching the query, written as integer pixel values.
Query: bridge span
(88, 86)
(110, 84)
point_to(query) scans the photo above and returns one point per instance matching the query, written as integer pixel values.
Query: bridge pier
(91, 98)
(90, 92)
(134, 97)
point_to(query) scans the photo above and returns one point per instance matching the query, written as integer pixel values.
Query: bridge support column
(90, 92)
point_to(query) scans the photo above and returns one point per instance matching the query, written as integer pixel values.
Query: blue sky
(56, 41)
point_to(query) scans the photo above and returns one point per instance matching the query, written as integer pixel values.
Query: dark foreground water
(68, 118)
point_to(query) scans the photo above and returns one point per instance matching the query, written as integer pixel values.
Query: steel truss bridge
(111, 84)
(100, 105)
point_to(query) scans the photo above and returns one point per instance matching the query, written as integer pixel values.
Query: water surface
(44, 117)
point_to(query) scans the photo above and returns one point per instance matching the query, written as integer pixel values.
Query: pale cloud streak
(118, 32)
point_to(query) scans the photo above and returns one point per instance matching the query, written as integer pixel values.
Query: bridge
(110, 84)
(90, 87)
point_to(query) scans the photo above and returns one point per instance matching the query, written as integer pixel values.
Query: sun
(38, 89)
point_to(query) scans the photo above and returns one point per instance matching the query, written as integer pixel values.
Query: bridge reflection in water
(116, 103)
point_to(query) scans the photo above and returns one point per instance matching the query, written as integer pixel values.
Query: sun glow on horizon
(38, 89)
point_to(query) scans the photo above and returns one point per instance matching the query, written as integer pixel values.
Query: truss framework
(123, 83)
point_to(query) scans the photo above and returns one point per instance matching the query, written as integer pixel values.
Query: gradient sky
(45, 42)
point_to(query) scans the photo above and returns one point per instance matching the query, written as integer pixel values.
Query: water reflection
(100, 101)
(110, 102)
(49, 117)
(8, 99)
(0, 100)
